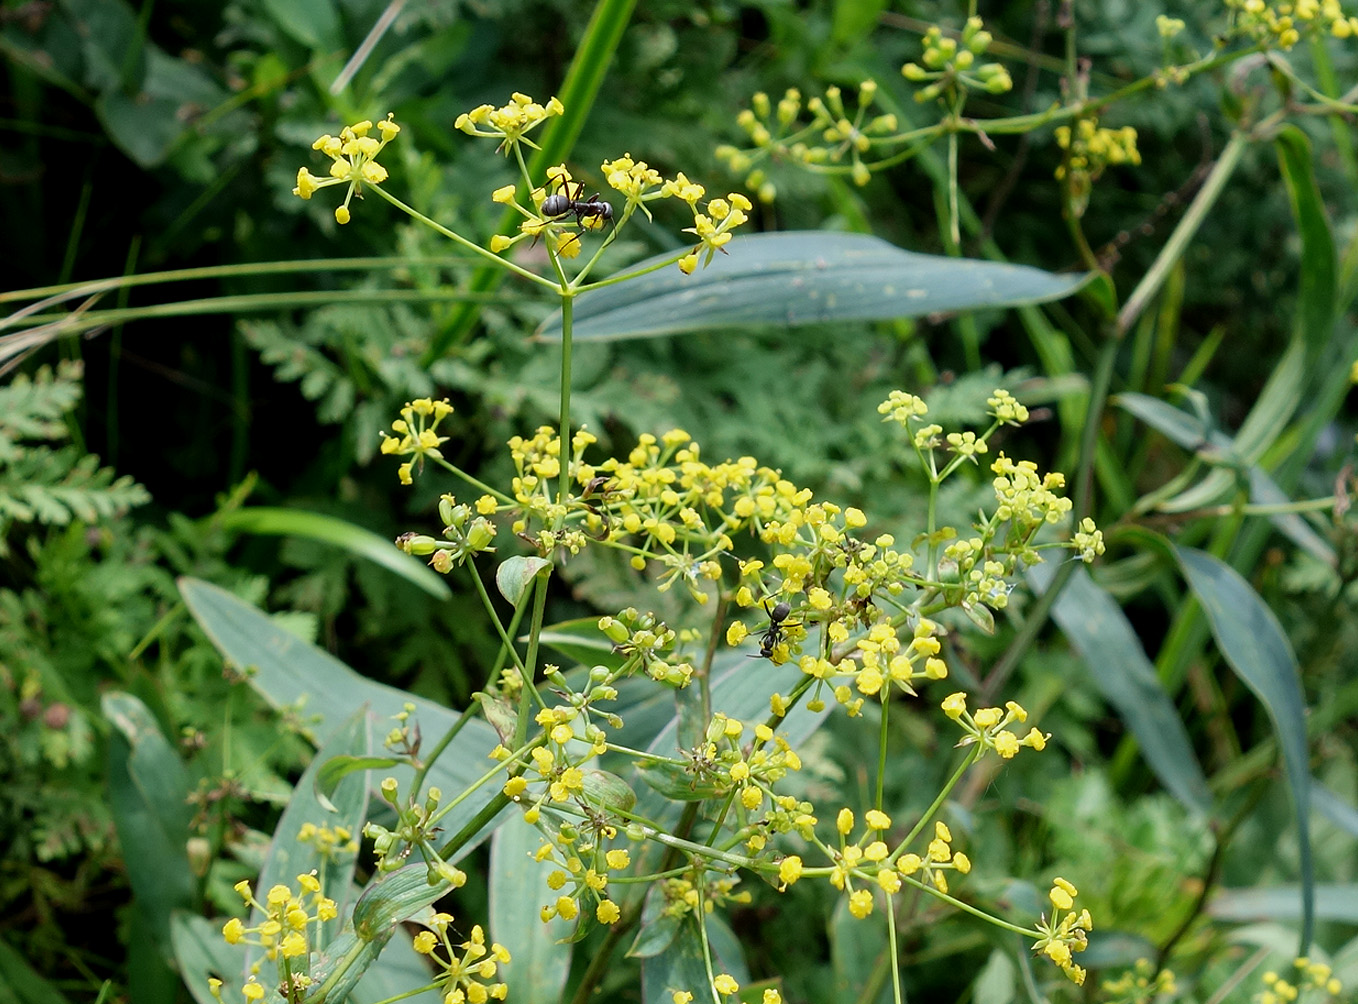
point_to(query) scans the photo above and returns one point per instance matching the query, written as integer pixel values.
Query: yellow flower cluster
(1311, 975)
(415, 434)
(583, 873)
(1066, 932)
(1283, 23)
(332, 843)
(353, 162)
(639, 183)
(464, 970)
(989, 727)
(287, 915)
(1141, 984)
(509, 123)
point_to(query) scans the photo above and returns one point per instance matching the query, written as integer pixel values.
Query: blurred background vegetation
(167, 136)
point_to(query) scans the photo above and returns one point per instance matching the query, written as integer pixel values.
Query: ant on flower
(773, 634)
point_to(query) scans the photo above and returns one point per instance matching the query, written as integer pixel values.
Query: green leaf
(1100, 632)
(856, 947)
(516, 574)
(654, 936)
(395, 899)
(607, 791)
(1332, 902)
(1318, 258)
(201, 951)
(518, 887)
(20, 983)
(327, 529)
(997, 982)
(314, 23)
(149, 791)
(1254, 645)
(1192, 433)
(336, 768)
(582, 641)
(804, 277)
(288, 673)
(681, 967)
(288, 856)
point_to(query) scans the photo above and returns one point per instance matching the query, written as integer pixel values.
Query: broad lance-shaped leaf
(1254, 645)
(541, 952)
(804, 277)
(288, 673)
(1100, 632)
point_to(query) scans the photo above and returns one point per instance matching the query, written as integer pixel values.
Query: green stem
(564, 428)
(422, 772)
(457, 238)
(972, 756)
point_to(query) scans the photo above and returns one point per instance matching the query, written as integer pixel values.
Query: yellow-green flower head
(416, 436)
(714, 229)
(353, 162)
(682, 188)
(633, 178)
(509, 123)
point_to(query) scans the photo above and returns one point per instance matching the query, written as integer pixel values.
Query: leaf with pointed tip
(149, 792)
(288, 673)
(804, 277)
(1100, 632)
(1192, 434)
(358, 541)
(1254, 645)
(516, 574)
(337, 768)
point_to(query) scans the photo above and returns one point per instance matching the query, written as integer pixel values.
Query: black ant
(773, 634)
(564, 203)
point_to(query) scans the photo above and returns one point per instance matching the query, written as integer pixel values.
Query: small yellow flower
(510, 123)
(352, 162)
(725, 985)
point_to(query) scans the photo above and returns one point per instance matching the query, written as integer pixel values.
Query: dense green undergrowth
(198, 438)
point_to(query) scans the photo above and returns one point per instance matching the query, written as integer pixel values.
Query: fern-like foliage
(45, 483)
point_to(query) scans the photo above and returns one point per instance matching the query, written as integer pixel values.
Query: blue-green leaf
(516, 574)
(1255, 647)
(149, 790)
(1100, 632)
(288, 856)
(1332, 902)
(201, 952)
(518, 888)
(804, 277)
(288, 673)
(1192, 433)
